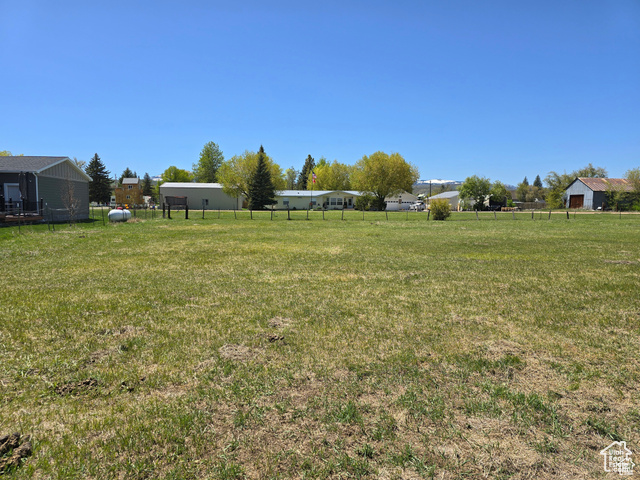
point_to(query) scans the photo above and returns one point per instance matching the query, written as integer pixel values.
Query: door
(12, 191)
(576, 201)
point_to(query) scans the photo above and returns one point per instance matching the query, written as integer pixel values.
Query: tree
(633, 177)
(383, 175)
(127, 174)
(557, 183)
(206, 170)
(79, 163)
(334, 176)
(475, 189)
(309, 165)
(537, 182)
(147, 185)
(7, 153)
(175, 174)
(499, 193)
(235, 174)
(100, 185)
(262, 192)
(291, 174)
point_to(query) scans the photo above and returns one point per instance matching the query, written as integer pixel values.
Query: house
(327, 199)
(200, 195)
(42, 186)
(130, 193)
(591, 193)
(402, 201)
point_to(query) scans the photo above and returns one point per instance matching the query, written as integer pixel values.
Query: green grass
(237, 348)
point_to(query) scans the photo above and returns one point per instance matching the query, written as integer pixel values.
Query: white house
(303, 199)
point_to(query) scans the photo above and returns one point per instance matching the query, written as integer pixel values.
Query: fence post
(363, 214)
(169, 212)
(251, 214)
(163, 207)
(271, 212)
(549, 214)
(186, 212)
(386, 214)
(532, 215)
(495, 215)
(477, 217)
(567, 215)
(288, 213)
(18, 218)
(513, 214)
(428, 214)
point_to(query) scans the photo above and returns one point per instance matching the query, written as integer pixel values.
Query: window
(339, 201)
(130, 187)
(128, 197)
(333, 201)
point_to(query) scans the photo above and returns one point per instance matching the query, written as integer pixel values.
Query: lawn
(505, 347)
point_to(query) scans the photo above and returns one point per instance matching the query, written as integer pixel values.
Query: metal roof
(449, 194)
(604, 184)
(317, 193)
(132, 181)
(190, 185)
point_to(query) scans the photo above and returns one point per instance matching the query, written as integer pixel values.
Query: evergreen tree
(147, 187)
(261, 189)
(537, 182)
(127, 174)
(309, 165)
(100, 185)
(525, 182)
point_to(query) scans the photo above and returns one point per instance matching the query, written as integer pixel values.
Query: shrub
(364, 201)
(440, 209)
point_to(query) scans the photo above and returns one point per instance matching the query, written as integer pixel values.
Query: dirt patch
(280, 322)
(77, 388)
(238, 353)
(13, 448)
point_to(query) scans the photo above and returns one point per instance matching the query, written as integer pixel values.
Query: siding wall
(52, 189)
(579, 188)
(218, 200)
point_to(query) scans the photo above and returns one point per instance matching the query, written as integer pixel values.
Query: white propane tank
(119, 215)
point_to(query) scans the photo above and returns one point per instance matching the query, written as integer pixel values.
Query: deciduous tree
(235, 174)
(334, 176)
(475, 188)
(383, 175)
(175, 174)
(206, 170)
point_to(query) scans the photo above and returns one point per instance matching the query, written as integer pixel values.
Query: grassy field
(400, 348)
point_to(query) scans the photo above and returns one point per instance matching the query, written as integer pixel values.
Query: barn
(591, 193)
(43, 186)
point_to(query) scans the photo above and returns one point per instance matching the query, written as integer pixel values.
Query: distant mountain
(438, 181)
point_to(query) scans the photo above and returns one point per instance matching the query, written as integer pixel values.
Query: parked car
(418, 206)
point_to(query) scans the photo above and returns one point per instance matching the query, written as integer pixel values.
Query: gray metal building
(209, 195)
(591, 193)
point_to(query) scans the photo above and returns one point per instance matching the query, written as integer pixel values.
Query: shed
(199, 195)
(453, 197)
(591, 193)
(53, 184)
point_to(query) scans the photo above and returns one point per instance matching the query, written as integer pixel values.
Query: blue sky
(500, 89)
